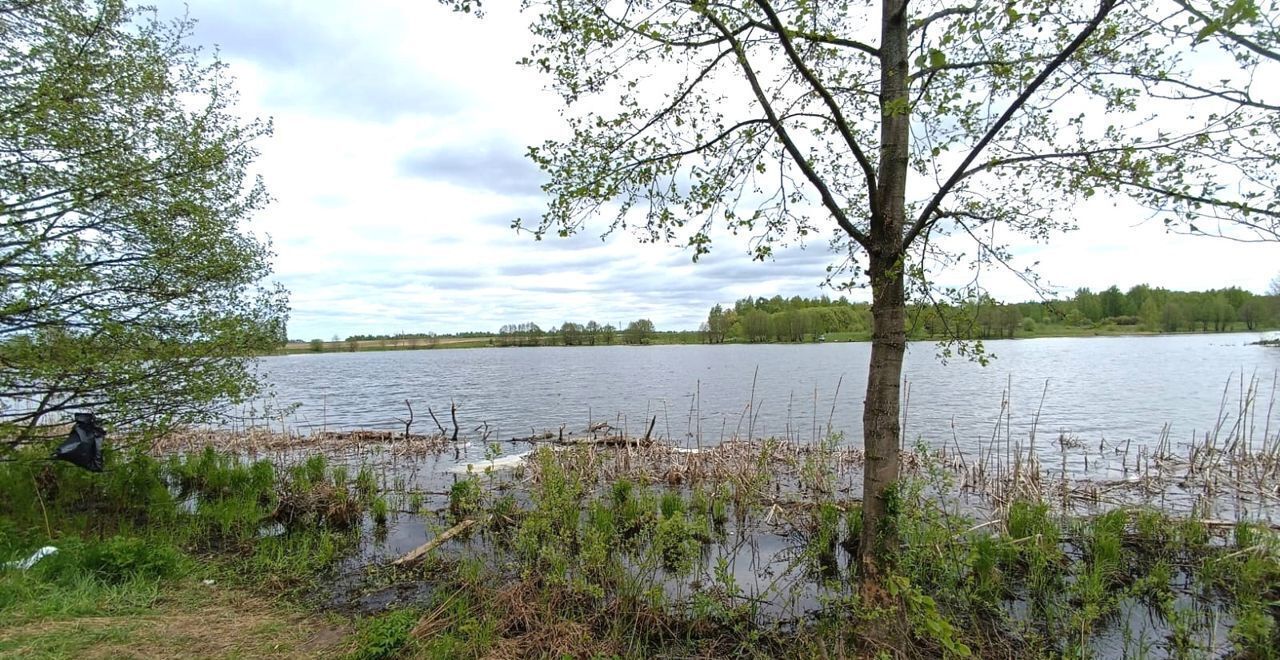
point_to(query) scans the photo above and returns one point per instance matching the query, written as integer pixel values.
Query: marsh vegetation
(605, 544)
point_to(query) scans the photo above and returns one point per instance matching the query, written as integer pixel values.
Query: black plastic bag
(83, 445)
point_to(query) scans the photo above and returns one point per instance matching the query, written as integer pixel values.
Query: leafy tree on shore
(638, 332)
(756, 325)
(608, 334)
(718, 324)
(571, 333)
(754, 115)
(1255, 313)
(127, 286)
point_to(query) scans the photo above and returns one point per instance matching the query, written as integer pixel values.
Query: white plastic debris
(499, 463)
(31, 561)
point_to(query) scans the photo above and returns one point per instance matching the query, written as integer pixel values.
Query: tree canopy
(916, 136)
(128, 286)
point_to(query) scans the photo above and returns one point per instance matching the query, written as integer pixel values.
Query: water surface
(1102, 390)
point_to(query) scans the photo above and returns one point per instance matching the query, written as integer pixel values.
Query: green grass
(143, 522)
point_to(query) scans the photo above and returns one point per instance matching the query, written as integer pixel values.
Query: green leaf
(937, 58)
(1207, 31)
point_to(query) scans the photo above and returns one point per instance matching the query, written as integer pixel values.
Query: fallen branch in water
(419, 552)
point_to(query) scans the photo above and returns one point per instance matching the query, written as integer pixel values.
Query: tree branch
(842, 126)
(829, 39)
(828, 200)
(951, 11)
(926, 215)
(1239, 39)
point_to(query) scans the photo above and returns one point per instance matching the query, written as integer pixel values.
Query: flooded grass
(573, 564)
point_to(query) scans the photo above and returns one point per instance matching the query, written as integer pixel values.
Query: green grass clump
(465, 499)
(385, 636)
(126, 533)
(379, 510)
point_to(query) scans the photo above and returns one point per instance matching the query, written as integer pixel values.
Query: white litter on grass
(500, 463)
(31, 561)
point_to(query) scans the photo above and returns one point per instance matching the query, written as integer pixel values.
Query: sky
(397, 166)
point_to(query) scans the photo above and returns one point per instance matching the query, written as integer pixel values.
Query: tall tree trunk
(880, 422)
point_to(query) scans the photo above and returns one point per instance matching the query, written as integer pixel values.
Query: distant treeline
(569, 333)
(591, 333)
(796, 319)
(1141, 308)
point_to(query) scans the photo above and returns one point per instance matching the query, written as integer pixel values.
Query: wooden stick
(419, 552)
(453, 411)
(433, 418)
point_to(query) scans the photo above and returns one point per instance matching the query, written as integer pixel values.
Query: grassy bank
(205, 554)
(610, 551)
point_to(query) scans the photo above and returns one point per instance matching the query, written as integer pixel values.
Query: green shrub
(384, 636)
(1254, 633)
(465, 498)
(675, 540)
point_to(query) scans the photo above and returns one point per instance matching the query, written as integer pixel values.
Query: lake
(1102, 390)
(1111, 395)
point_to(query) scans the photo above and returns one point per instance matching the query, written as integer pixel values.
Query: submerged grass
(578, 566)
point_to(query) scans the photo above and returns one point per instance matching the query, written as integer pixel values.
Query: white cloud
(397, 167)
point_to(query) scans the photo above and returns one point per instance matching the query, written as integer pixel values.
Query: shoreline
(453, 343)
(628, 551)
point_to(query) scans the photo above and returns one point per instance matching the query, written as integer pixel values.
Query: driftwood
(645, 441)
(421, 551)
(437, 421)
(594, 437)
(537, 437)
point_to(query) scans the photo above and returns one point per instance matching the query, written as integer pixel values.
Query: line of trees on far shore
(1142, 308)
(591, 333)
(797, 319)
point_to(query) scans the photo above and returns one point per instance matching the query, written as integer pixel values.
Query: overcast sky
(397, 167)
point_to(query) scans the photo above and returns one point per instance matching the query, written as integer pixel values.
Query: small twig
(40, 498)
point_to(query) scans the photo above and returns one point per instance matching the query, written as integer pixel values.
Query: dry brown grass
(200, 622)
(267, 443)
